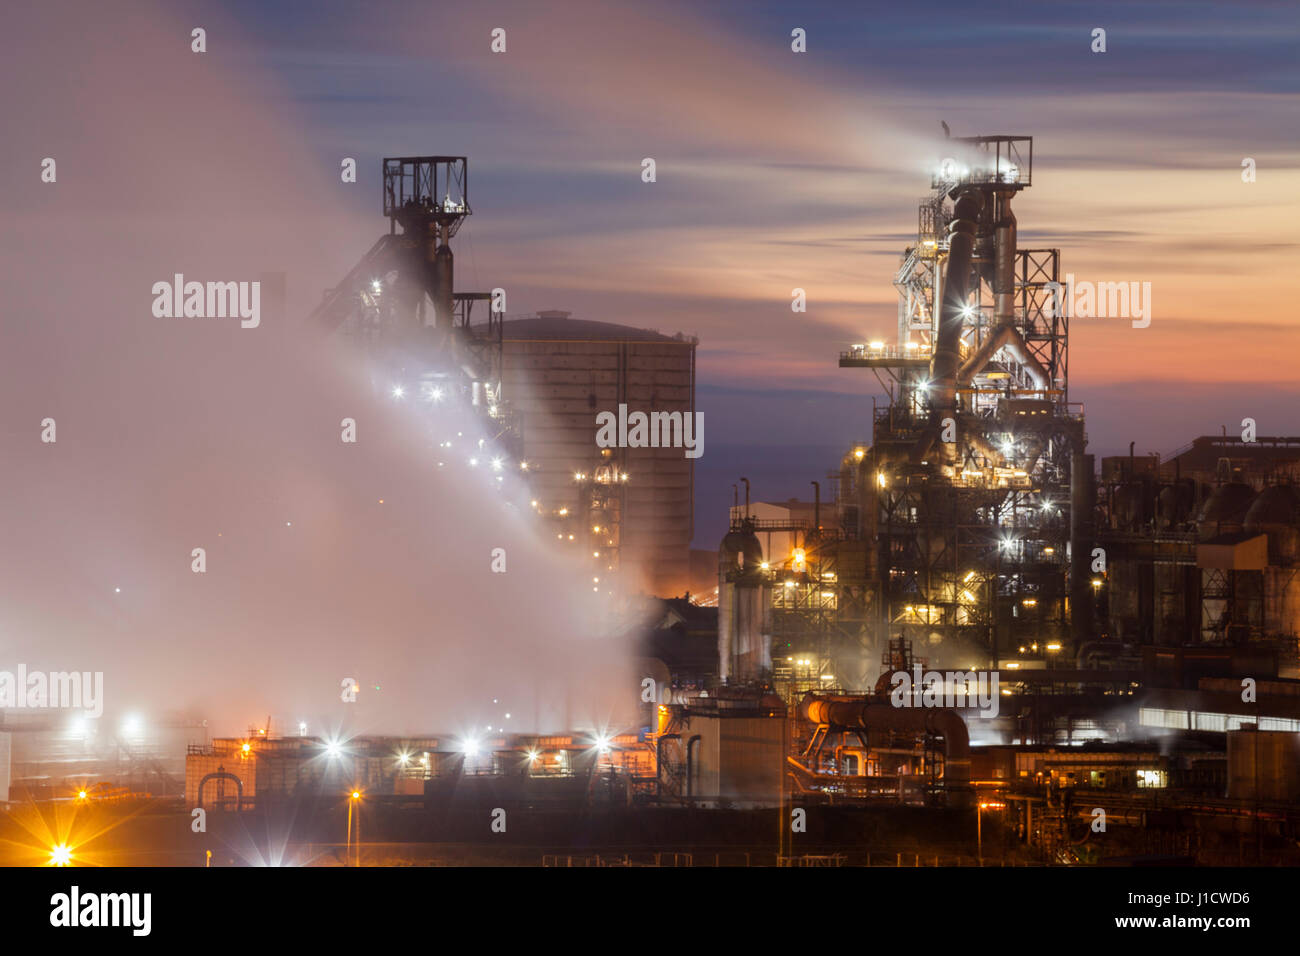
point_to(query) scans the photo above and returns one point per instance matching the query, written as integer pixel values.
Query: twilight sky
(778, 170)
(775, 170)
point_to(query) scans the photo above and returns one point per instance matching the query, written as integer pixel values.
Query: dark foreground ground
(154, 833)
(316, 833)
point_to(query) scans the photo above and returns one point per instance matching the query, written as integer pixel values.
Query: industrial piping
(1007, 336)
(877, 716)
(946, 360)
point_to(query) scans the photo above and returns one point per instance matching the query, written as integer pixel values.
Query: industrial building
(1139, 624)
(241, 773)
(631, 508)
(1204, 548)
(1121, 640)
(536, 383)
(55, 755)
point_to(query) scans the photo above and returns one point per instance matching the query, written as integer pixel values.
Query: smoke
(180, 433)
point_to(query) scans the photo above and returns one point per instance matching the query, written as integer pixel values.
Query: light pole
(979, 830)
(353, 799)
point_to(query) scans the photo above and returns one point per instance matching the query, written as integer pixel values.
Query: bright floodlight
(602, 743)
(496, 464)
(332, 749)
(60, 854)
(398, 391)
(132, 726)
(469, 748)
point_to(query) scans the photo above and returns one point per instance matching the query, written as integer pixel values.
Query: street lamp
(354, 798)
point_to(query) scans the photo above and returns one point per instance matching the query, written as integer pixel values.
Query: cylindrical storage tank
(1174, 505)
(747, 643)
(1127, 506)
(739, 556)
(1276, 512)
(1225, 511)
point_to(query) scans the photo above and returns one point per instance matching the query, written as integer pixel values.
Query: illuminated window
(1152, 779)
(1158, 717)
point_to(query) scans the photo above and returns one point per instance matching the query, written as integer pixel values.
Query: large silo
(558, 374)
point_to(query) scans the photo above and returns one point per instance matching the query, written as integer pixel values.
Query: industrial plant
(971, 643)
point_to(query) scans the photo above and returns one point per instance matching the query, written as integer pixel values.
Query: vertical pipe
(946, 359)
(1083, 505)
(726, 607)
(817, 505)
(1004, 268)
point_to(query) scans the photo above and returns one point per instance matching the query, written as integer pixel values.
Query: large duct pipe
(956, 291)
(874, 715)
(444, 316)
(1004, 265)
(1005, 336)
